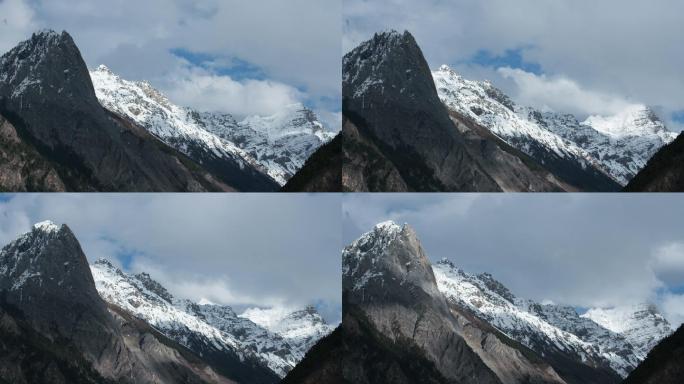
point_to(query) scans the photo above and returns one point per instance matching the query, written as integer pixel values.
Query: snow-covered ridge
(279, 144)
(542, 326)
(619, 145)
(364, 254)
(371, 53)
(635, 120)
(46, 226)
(302, 328)
(214, 327)
(27, 54)
(641, 324)
(369, 246)
(20, 261)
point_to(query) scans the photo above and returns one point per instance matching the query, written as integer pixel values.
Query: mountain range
(64, 320)
(407, 128)
(459, 327)
(63, 127)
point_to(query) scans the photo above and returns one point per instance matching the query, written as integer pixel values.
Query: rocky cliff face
(664, 171)
(322, 171)
(387, 276)
(48, 97)
(389, 96)
(46, 285)
(663, 364)
(22, 168)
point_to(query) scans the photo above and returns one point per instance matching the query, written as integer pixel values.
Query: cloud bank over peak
(211, 92)
(561, 94)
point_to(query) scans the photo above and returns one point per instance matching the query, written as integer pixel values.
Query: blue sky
(512, 58)
(582, 250)
(615, 51)
(232, 56)
(234, 67)
(229, 248)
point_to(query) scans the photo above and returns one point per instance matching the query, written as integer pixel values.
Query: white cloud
(673, 308)
(668, 263)
(561, 94)
(331, 120)
(16, 22)
(206, 91)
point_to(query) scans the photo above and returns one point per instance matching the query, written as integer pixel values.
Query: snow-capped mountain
(642, 325)
(21, 264)
(623, 143)
(281, 142)
(618, 146)
(365, 261)
(302, 328)
(207, 329)
(278, 145)
(546, 328)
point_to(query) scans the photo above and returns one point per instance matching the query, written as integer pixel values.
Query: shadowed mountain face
(664, 171)
(664, 364)
(54, 320)
(389, 281)
(389, 96)
(322, 363)
(322, 172)
(47, 96)
(398, 136)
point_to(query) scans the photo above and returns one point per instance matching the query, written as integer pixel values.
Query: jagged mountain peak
(394, 36)
(642, 323)
(47, 226)
(388, 254)
(49, 64)
(380, 59)
(388, 226)
(634, 120)
(293, 119)
(47, 273)
(45, 38)
(154, 286)
(302, 328)
(105, 69)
